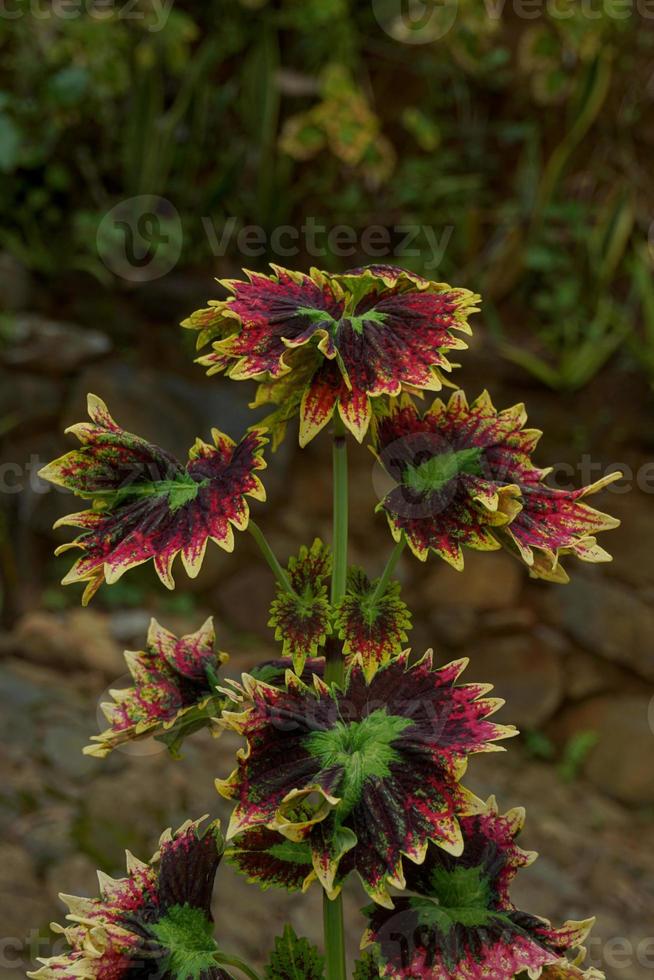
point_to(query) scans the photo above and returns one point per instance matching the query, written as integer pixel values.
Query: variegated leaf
(372, 626)
(146, 504)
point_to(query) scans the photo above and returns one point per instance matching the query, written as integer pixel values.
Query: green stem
(334, 938)
(339, 456)
(334, 673)
(269, 555)
(334, 670)
(224, 960)
(382, 585)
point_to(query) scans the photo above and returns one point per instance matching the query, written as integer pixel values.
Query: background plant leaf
(294, 959)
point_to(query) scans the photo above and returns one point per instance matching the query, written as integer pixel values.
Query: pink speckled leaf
(268, 859)
(123, 933)
(302, 619)
(146, 505)
(382, 759)
(463, 477)
(275, 314)
(371, 332)
(173, 694)
(372, 626)
(460, 923)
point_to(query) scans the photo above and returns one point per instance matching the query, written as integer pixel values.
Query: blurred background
(148, 147)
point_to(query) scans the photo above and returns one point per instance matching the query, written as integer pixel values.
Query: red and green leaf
(286, 393)
(319, 398)
(268, 316)
(461, 923)
(147, 505)
(464, 477)
(268, 859)
(371, 332)
(302, 619)
(156, 920)
(567, 970)
(422, 938)
(294, 959)
(382, 758)
(367, 968)
(372, 627)
(490, 848)
(174, 691)
(554, 523)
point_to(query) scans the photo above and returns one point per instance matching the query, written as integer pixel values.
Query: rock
(606, 618)
(52, 347)
(545, 887)
(34, 504)
(620, 762)
(244, 599)
(490, 580)
(525, 670)
(63, 744)
(26, 399)
(22, 687)
(507, 620)
(212, 402)
(631, 544)
(74, 875)
(253, 932)
(173, 297)
(135, 397)
(129, 627)
(29, 694)
(91, 635)
(23, 905)
(79, 638)
(44, 728)
(453, 626)
(587, 674)
(151, 793)
(310, 491)
(46, 834)
(627, 954)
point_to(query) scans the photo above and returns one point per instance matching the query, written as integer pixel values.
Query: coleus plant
(355, 749)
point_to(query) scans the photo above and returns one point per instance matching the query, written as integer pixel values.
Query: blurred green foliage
(575, 753)
(518, 143)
